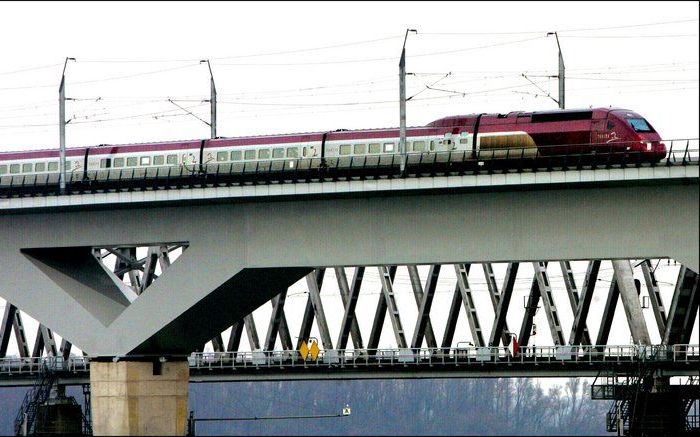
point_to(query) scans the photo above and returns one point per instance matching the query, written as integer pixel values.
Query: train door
(603, 135)
(598, 131)
(189, 159)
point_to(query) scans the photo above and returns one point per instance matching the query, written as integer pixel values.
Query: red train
(594, 135)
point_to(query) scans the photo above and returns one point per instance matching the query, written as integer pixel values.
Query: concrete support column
(139, 398)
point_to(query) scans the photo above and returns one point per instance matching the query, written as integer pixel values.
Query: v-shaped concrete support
(78, 273)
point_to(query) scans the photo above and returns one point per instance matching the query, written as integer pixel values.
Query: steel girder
(678, 325)
(380, 313)
(579, 332)
(574, 300)
(278, 324)
(500, 301)
(630, 301)
(424, 300)
(307, 320)
(684, 307)
(655, 297)
(349, 297)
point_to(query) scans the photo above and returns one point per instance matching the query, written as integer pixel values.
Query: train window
(345, 149)
(158, 160)
(40, 166)
(221, 156)
(250, 154)
(464, 141)
(360, 149)
(171, 159)
(375, 148)
(105, 163)
(131, 161)
(145, 160)
(388, 147)
(236, 155)
(264, 154)
(640, 125)
(432, 146)
(278, 153)
(118, 162)
(419, 146)
(53, 166)
(14, 168)
(3, 169)
(27, 168)
(292, 152)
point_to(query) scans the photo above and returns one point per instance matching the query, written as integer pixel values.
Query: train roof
(462, 119)
(289, 138)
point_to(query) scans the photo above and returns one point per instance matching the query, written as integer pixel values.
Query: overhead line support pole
(62, 129)
(562, 71)
(402, 102)
(212, 99)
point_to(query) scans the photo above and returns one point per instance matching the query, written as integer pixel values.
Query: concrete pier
(139, 398)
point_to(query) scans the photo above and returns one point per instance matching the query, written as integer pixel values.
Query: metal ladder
(691, 423)
(25, 422)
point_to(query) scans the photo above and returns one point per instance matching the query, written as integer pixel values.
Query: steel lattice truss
(138, 267)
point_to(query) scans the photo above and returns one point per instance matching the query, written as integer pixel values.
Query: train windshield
(640, 125)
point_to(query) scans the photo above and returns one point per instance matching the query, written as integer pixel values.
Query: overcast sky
(297, 67)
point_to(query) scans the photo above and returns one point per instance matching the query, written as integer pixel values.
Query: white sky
(652, 69)
(629, 61)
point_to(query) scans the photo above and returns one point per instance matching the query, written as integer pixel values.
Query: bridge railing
(30, 365)
(456, 356)
(679, 152)
(451, 356)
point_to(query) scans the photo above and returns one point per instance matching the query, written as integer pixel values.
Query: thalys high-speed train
(476, 136)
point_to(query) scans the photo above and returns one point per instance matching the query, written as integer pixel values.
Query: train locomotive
(595, 135)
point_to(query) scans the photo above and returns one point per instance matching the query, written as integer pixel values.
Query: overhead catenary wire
(310, 93)
(391, 58)
(251, 55)
(585, 29)
(366, 102)
(357, 106)
(630, 36)
(24, 70)
(105, 79)
(637, 68)
(369, 41)
(149, 114)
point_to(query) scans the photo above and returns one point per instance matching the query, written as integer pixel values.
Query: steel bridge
(489, 354)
